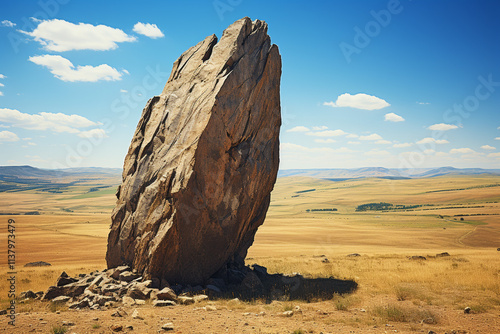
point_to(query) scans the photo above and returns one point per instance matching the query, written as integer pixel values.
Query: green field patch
(93, 194)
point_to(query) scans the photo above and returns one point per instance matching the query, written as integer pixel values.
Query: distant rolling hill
(20, 178)
(386, 173)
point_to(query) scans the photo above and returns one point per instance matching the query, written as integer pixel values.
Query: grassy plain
(459, 215)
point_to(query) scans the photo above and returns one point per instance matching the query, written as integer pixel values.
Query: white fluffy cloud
(319, 128)
(7, 136)
(497, 138)
(94, 133)
(353, 142)
(488, 147)
(2, 76)
(7, 23)
(299, 128)
(325, 141)
(327, 133)
(358, 101)
(373, 136)
(46, 121)
(148, 29)
(429, 140)
(442, 127)
(352, 135)
(401, 145)
(64, 70)
(59, 35)
(383, 141)
(463, 150)
(494, 155)
(1, 93)
(392, 117)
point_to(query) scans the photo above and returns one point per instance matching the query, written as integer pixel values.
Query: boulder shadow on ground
(255, 283)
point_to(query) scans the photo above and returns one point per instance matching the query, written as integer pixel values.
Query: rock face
(203, 160)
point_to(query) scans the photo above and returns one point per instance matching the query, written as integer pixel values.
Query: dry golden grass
(391, 287)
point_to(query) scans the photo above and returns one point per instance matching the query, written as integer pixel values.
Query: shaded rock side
(203, 160)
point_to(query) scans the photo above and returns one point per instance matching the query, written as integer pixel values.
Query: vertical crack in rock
(203, 160)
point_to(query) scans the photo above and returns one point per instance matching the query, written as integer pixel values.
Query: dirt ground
(234, 317)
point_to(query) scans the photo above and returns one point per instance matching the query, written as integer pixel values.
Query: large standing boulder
(203, 160)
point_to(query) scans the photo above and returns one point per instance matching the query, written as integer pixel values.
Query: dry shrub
(401, 313)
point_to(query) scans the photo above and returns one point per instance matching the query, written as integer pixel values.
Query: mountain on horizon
(387, 173)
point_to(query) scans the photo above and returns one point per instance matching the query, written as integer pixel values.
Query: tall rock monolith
(203, 160)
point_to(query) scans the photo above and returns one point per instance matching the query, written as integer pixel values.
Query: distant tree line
(382, 206)
(314, 210)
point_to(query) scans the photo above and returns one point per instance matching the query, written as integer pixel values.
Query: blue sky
(365, 83)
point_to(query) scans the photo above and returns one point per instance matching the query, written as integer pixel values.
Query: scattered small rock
(200, 298)
(116, 328)
(60, 300)
(27, 294)
(185, 300)
(168, 326)
(354, 255)
(136, 315)
(467, 310)
(163, 303)
(325, 260)
(68, 323)
(417, 257)
(210, 308)
(119, 313)
(128, 301)
(3, 312)
(287, 313)
(297, 309)
(431, 332)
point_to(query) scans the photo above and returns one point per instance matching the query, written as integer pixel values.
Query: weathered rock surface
(203, 160)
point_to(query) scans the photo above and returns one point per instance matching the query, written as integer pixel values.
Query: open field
(459, 215)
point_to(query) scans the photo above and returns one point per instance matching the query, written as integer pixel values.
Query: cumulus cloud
(57, 122)
(463, 150)
(299, 128)
(494, 155)
(401, 145)
(59, 35)
(497, 138)
(353, 142)
(148, 29)
(7, 136)
(488, 147)
(94, 133)
(423, 103)
(325, 141)
(319, 128)
(2, 85)
(327, 133)
(383, 141)
(64, 70)
(1, 93)
(352, 135)
(442, 127)
(373, 136)
(358, 101)
(429, 140)
(392, 117)
(2, 76)
(7, 23)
